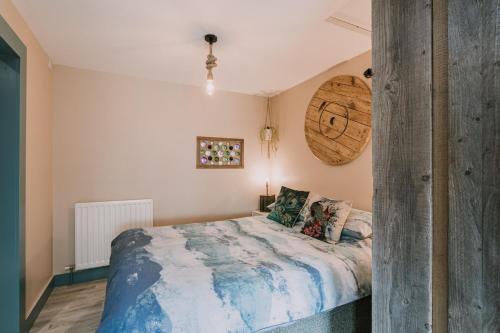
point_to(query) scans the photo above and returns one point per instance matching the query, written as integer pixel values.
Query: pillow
(305, 212)
(326, 220)
(358, 225)
(288, 206)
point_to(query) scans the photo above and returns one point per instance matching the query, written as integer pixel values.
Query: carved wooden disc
(338, 120)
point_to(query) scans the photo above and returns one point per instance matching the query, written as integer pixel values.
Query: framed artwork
(219, 153)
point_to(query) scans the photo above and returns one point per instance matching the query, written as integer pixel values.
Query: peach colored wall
(118, 138)
(296, 166)
(38, 159)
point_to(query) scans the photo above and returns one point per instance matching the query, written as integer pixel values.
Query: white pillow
(358, 225)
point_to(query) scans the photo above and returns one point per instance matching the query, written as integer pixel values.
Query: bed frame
(353, 317)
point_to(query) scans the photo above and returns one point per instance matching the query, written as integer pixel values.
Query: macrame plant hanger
(269, 134)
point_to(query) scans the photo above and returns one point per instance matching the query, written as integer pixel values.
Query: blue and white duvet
(241, 275)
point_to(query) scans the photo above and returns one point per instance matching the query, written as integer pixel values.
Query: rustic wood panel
(440, 166)
(338, 120)
(474, 172)
(402, 146)
(347, 101)
(345, 140)
(329, 148)
(349, 80)
(348, 89)
(355, 131)
(354, 115)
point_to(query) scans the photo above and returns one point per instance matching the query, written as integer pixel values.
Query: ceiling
(264, 45)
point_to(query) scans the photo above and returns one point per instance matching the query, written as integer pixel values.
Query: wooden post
(436, 143)
(402, 154)
(440, 166)
(474, 173)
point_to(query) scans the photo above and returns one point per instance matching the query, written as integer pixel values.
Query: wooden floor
(75, 308)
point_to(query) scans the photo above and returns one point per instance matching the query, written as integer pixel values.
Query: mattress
(242, 275)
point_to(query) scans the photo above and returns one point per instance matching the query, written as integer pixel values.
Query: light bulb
(210, 87)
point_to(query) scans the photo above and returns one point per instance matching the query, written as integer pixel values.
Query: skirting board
(85, 275)
(28, 322)
(62, 280)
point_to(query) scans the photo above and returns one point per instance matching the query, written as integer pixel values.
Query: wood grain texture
(338, 120)
(440, 166)
(402, 151)
(74, 308)
(474, 172)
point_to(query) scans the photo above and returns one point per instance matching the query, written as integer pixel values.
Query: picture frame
(219, 153)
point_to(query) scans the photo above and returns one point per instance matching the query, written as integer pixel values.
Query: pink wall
(118, 138)
(297, 167)
(38, 159)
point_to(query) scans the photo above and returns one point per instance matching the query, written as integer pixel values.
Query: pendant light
(210, 64)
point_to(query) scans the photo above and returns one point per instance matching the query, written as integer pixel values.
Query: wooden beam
(402, 151)
(440, 166)
(474, 172)
(436, 236)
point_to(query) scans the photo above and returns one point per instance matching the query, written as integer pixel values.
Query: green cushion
(288, 206)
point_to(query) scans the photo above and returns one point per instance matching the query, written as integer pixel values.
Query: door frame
(14, 312)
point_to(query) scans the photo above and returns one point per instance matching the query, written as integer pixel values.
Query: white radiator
(98, 223)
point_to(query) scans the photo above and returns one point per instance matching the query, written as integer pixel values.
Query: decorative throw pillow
(327, 219)
(288, 206)
(358, 225)
(305, 212)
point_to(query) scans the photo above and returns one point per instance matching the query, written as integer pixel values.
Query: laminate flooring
(76, 309)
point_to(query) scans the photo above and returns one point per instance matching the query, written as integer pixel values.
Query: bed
(243, 275)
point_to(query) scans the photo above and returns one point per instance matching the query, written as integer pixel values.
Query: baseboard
(28, 322)
(85, 275)
(62, 280)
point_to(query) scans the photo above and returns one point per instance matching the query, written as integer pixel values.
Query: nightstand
(259, 213)
(266, 200)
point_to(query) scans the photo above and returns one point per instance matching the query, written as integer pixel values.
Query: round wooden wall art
(338, 120)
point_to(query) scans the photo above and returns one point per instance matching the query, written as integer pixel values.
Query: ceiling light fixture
(210, 64)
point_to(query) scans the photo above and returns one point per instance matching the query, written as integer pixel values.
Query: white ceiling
(264, 45)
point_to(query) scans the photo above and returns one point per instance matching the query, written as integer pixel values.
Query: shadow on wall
(196, 219)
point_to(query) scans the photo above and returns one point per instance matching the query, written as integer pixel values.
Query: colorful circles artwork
(219, 152)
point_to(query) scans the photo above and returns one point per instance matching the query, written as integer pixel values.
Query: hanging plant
(268, 133)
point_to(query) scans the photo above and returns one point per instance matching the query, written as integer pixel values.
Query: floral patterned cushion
(326, 220)
(288, 206)
(305, 212)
